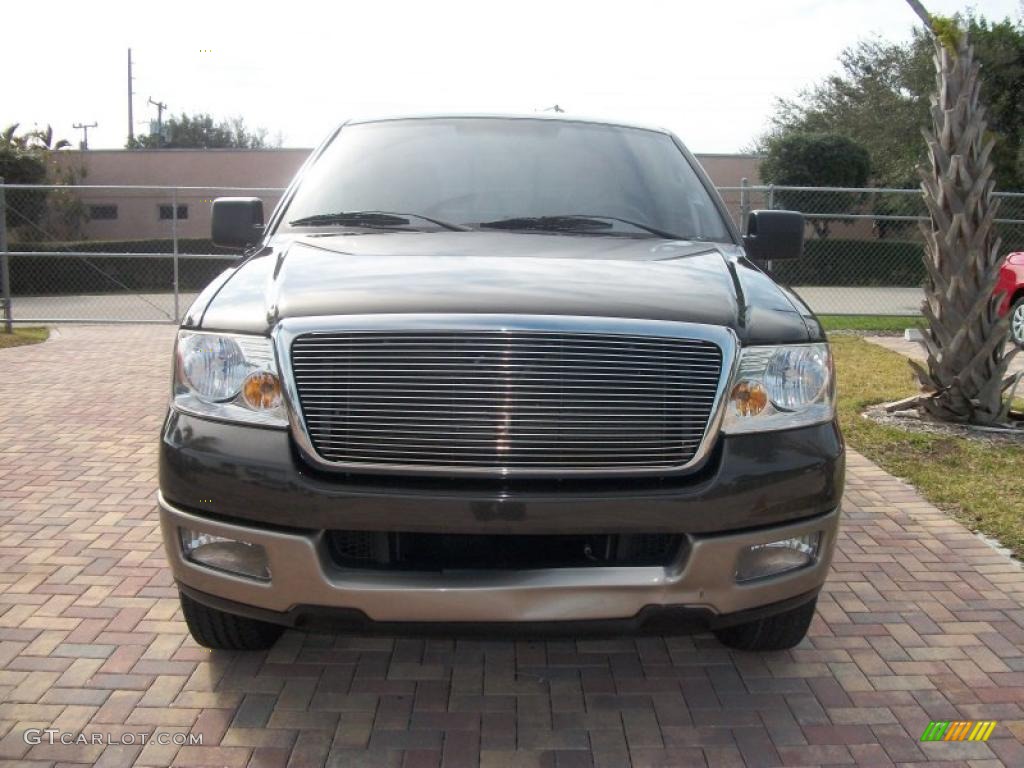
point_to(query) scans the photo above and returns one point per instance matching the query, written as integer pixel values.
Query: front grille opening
(447, 552)
(497, 401)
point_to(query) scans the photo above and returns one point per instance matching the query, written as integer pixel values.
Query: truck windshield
(511, 174)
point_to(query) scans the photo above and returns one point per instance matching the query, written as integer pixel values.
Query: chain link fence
(141, 254)
(863, 252)
(110, 254)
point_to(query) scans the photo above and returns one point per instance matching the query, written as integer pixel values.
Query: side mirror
(237, 222)
(774, 235)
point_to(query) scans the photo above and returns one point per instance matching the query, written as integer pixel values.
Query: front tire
(772, 633)
(1017, 322)
(226, 631)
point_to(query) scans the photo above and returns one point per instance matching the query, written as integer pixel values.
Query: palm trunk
(965, 379)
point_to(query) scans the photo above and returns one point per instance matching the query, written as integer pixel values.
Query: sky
(709, 71)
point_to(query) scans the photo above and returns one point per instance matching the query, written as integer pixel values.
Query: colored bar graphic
(935, 731)
(958, 730)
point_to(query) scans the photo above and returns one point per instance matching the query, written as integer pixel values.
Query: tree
(880, 98)
(26, 158)
(18, 163)
(202, 131)
(39, 139)
(42, 138)
(816, 160)
(964, 379)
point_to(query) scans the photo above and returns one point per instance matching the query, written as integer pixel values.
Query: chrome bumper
(302, 574)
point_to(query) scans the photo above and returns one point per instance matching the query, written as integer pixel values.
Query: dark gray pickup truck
(500, 371)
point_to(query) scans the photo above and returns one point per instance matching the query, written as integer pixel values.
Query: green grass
(22, 336)
(879, 323)
(979, 483)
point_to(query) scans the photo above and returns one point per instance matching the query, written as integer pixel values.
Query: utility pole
(131, 121)
(160, 107)
(84, 127)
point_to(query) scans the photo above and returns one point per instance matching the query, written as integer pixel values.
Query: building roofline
(271, 150)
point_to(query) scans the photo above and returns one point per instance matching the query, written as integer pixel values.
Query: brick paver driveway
(920, 621)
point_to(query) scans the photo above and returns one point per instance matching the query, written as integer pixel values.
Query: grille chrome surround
(498, 395)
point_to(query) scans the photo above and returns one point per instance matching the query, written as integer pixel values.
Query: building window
(167, 212)
(102, 212)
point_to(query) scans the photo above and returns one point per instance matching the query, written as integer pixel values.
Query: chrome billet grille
(505, 400)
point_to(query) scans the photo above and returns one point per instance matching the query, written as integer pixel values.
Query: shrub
(854, 263)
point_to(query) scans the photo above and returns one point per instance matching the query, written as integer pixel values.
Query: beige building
(199, 175)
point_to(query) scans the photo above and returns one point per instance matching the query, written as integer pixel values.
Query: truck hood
(505, 273)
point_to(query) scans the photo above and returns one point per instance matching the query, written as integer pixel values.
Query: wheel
(773, 633)
(225, 631)
(1017, 322)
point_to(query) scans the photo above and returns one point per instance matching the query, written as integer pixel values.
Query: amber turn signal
(262, 390)
(749, 398)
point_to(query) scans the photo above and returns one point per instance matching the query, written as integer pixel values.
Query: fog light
(225, 554)
(773, 558)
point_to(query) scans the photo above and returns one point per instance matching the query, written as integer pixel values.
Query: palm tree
(964, 379)
(9, 137)
(43, 138)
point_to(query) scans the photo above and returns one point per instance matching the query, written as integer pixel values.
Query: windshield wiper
(576, 222)
(370, 219)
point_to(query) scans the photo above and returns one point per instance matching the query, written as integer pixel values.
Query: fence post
(174, 240)
(744, 202)
(770, 203)
(5, 273)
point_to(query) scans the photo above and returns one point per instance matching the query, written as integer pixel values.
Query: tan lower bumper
(302, 574)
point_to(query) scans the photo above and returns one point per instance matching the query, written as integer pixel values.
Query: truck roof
(556, 116)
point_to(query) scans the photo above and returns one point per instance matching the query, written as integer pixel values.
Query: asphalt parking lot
(920, 621)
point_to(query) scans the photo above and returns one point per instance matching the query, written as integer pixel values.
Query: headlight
(228, 376)
(214, 367)
(780, 388)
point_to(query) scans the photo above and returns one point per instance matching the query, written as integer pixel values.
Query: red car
(1011, 282)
